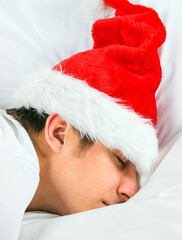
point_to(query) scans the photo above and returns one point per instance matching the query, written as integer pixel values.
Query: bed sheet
(155, 212)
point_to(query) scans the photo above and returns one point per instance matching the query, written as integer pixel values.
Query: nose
(128, 185)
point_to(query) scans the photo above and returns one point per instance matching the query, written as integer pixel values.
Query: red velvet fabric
(124, 61)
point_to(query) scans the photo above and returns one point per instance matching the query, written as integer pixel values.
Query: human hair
(34, 122)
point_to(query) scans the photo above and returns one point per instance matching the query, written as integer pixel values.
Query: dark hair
(30, 119)
(34, 122)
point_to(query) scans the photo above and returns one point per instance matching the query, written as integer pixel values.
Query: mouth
(104, 204)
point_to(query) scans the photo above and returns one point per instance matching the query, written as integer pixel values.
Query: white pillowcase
(169, 94)
(36, 35)
(39, 34)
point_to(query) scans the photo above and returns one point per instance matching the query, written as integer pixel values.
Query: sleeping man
(82, 135)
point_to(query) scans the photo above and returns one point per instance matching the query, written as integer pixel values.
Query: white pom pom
(98, 9)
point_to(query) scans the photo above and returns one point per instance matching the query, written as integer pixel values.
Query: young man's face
(93, 179)
(72, 181)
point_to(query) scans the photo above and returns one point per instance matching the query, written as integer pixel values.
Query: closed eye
(121, 161)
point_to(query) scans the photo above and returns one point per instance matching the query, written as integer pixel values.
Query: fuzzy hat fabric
(108, 92)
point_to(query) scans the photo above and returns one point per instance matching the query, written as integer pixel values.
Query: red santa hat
(108, 92)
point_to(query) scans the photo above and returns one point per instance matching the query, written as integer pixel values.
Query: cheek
(89, 180)
(109, 179)
(84, 184)
(83, 177)
(99, 178)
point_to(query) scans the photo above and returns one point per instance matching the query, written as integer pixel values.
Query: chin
(73, 210)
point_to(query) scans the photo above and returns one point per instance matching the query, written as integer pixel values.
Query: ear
(55, 129)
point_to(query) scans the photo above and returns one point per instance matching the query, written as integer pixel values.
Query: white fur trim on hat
(92, 113)
(98, 9)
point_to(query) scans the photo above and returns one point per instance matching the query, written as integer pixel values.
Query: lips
(105, 204)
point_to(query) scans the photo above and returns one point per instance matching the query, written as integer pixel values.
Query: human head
(74, 178)
(108, 92)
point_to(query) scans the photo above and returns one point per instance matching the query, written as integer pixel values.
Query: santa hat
(108, 92)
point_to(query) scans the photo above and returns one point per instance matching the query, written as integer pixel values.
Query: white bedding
(154, 213)
(37, 34)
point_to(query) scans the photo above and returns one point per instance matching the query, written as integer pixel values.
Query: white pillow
(169, 94)
(39, 34)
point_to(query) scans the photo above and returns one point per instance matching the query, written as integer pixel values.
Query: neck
(45, 197)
